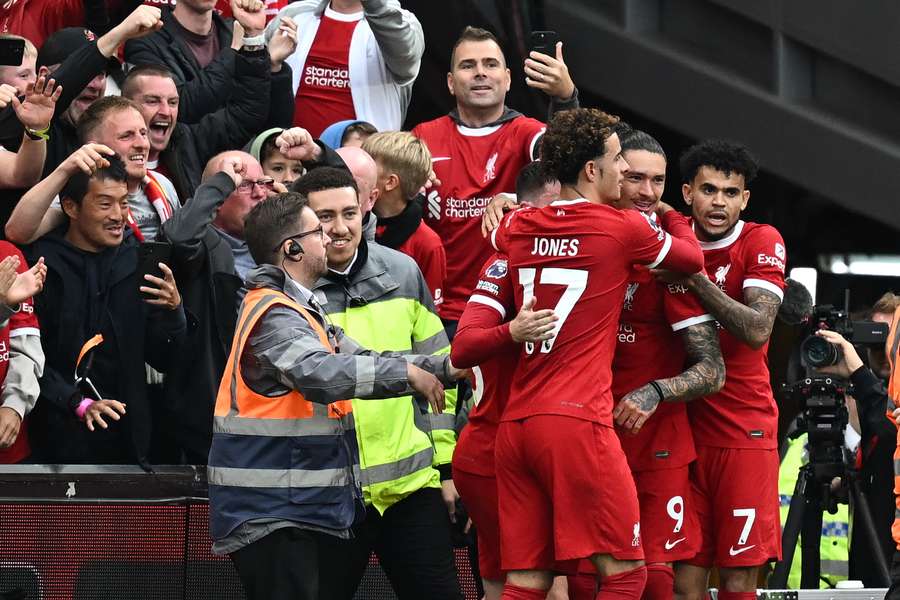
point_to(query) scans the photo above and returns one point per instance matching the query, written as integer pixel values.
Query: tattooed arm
(704, 376)
(750, 321)
(706, 373)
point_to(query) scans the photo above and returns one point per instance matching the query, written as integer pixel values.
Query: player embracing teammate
(564, 487)
(565, 490)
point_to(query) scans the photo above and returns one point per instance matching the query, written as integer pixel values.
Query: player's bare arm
(750, 321)
(706, 375)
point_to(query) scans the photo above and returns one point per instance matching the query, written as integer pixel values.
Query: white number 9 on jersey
(675, 508)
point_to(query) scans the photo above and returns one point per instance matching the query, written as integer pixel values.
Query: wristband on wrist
(256, 40)
(655, 385)
(38, 134)
(82, 407)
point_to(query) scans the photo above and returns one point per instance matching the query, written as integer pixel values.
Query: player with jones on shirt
(564, 487)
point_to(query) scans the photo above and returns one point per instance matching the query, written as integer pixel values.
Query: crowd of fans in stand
(130, 161)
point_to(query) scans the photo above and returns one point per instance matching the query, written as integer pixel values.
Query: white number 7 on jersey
(575, 281)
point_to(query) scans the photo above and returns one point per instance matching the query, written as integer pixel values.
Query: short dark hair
(324, 178)
(129, 86)
(722, 155)
(95, 114)
(573, 138)
(271, 222)
(635, 139)
(531, 181)
(474, 34)
(363, 128)
(77, 185)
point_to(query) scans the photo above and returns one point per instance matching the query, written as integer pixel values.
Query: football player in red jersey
(735, 476)
(564, 487)
(488, 341)
(478, 150)
(668, 339)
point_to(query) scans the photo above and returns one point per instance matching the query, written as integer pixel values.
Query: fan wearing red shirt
(323, 95)
(668, 339)
(478, 150)
(564, 488)
(735, 476)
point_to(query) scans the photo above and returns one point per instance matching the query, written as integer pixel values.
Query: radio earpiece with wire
(295, 251)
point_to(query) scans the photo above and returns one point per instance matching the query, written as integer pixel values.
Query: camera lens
(816, 352)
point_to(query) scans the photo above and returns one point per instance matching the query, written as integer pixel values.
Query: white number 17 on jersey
(575, 281)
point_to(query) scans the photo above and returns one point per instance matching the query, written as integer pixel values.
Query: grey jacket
(26, 365)
(284, 352)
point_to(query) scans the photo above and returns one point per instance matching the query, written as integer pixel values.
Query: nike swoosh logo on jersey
(435, 159)
(670, 545)
(734, 552)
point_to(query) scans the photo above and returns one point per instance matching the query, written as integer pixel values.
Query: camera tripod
(813, 495)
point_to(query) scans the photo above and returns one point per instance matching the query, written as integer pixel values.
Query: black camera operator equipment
(823, 418)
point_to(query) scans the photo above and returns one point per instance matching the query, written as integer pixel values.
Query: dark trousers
(893, 592)
(412, 541)
(284, 565)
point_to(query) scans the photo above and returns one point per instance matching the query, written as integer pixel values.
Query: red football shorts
(479, 494)
(565, 493)
(736, 496)
(669, 524)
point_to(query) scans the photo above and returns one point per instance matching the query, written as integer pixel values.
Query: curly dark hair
(573, 138)
(722, 155)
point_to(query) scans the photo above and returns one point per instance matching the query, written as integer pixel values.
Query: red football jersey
(743, 414)
(425, 247)
(575, 257)
(482, 335)
(23, 322)
(323, 96)
(473, 165)
(649, 347)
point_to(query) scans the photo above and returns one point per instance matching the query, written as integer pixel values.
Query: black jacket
(204, 270)
(85, 294)
(258, 95)
(876, 475)
(201, 90)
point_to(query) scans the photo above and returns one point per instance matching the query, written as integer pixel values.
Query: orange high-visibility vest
(282, 457)
(891, 348)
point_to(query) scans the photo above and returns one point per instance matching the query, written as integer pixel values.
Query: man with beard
(735, 476)
(283, 459)
(665, 323)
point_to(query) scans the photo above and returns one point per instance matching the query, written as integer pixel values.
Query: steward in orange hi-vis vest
(248, 424)
(891, 347)
(284, 450)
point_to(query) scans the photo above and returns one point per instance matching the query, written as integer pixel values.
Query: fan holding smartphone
(545, 68)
